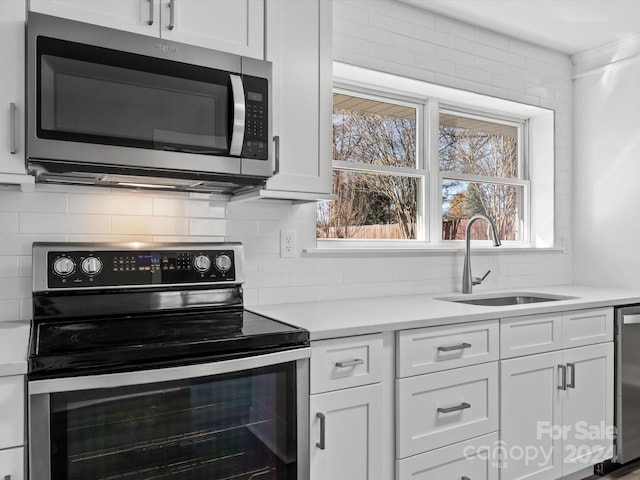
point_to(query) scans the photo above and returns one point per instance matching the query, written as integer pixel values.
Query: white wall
(381, 34)
(607, 176)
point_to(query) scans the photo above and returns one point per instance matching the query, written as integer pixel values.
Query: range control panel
(121, 268)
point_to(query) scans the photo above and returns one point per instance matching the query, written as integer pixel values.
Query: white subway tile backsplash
(63, 223)
(8, 222)
(9, 266)
(201, 226)
(9, 310)
(18, 201)
(111, 204)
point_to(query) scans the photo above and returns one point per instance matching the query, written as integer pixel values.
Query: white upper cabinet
(138, 16)
(298, 42)
(12, 107)
(235, 26)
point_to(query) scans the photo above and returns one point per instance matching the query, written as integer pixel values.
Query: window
(375, 171)
(482, 171)
(412, 162)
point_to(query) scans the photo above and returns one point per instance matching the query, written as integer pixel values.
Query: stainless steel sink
(504, 299)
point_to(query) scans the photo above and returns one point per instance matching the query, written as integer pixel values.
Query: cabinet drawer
(530, 334)
(586, 327)
(475, 459)
(346, 362)
(12, 463)
(11, 411)
(442, 408)
(431, 349)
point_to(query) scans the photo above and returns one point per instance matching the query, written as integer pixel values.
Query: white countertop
(339, 318)
(14, 345)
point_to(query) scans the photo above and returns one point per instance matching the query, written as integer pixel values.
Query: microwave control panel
(256, 136)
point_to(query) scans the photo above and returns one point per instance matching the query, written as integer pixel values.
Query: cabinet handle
(462, 406)
(150, 21)
(276, 147)
(462, 346)
(350, 363)
(7, 477)
(572, 370)
(13, 129)
(563, 371)
(465, 478)
(322, 419)
(172, 13)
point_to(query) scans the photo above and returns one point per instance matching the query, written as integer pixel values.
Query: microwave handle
(239, 107)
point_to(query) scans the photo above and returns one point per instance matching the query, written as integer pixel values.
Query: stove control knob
(223, 263)
(201, 263)
(63, 266)
(91, 265)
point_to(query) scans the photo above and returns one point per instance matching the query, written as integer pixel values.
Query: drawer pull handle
(462, 346)
(322, 419)
(563, 376)
(462, 406)
(350, 363)
(572, 369)
(7, 477)
(465, 478)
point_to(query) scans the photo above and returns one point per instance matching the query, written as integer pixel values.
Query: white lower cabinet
(346, 434)
(12, 464)
(556, 412)
(350, 408)
(474, 459)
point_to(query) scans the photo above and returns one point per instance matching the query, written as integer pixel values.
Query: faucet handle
(479, 280)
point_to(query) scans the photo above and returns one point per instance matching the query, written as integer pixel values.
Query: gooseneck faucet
(468, 281)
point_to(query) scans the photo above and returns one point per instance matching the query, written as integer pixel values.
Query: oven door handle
(239, 111)
(111, 380)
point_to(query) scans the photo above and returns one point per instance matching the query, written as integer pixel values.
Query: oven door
(242, 419)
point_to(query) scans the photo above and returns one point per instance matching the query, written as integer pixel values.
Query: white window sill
(430, 250)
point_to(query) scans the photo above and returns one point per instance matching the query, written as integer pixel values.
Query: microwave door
(239, 111)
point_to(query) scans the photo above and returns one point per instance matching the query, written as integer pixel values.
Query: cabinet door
(12, 107)
(588, 407)
(235, 26)
(348, 446)
(531, 405)
(12, 464)
(298, 42)
(11, 411)
(138, 16)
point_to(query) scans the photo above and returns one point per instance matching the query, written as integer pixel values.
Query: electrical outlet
(287, 244)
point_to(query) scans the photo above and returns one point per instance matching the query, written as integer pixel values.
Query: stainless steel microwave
(114, 108)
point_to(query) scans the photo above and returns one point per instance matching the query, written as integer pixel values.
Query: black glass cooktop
(71, 348)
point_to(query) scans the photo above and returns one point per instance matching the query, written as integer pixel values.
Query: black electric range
(107, 308)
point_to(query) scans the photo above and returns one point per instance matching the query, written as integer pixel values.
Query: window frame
(522, 180)
(536, 144)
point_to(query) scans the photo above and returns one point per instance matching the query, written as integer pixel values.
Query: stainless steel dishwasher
(627, 388)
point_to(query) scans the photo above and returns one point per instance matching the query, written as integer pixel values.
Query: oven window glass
(240, 426)
(95, 95)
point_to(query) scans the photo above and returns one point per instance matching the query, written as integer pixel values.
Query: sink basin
(504, 299)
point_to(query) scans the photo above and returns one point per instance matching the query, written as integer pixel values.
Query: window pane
(373, 132)
(462, 200)
(477, 147)
(370, 206)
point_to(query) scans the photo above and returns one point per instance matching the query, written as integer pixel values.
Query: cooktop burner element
(109, 308)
